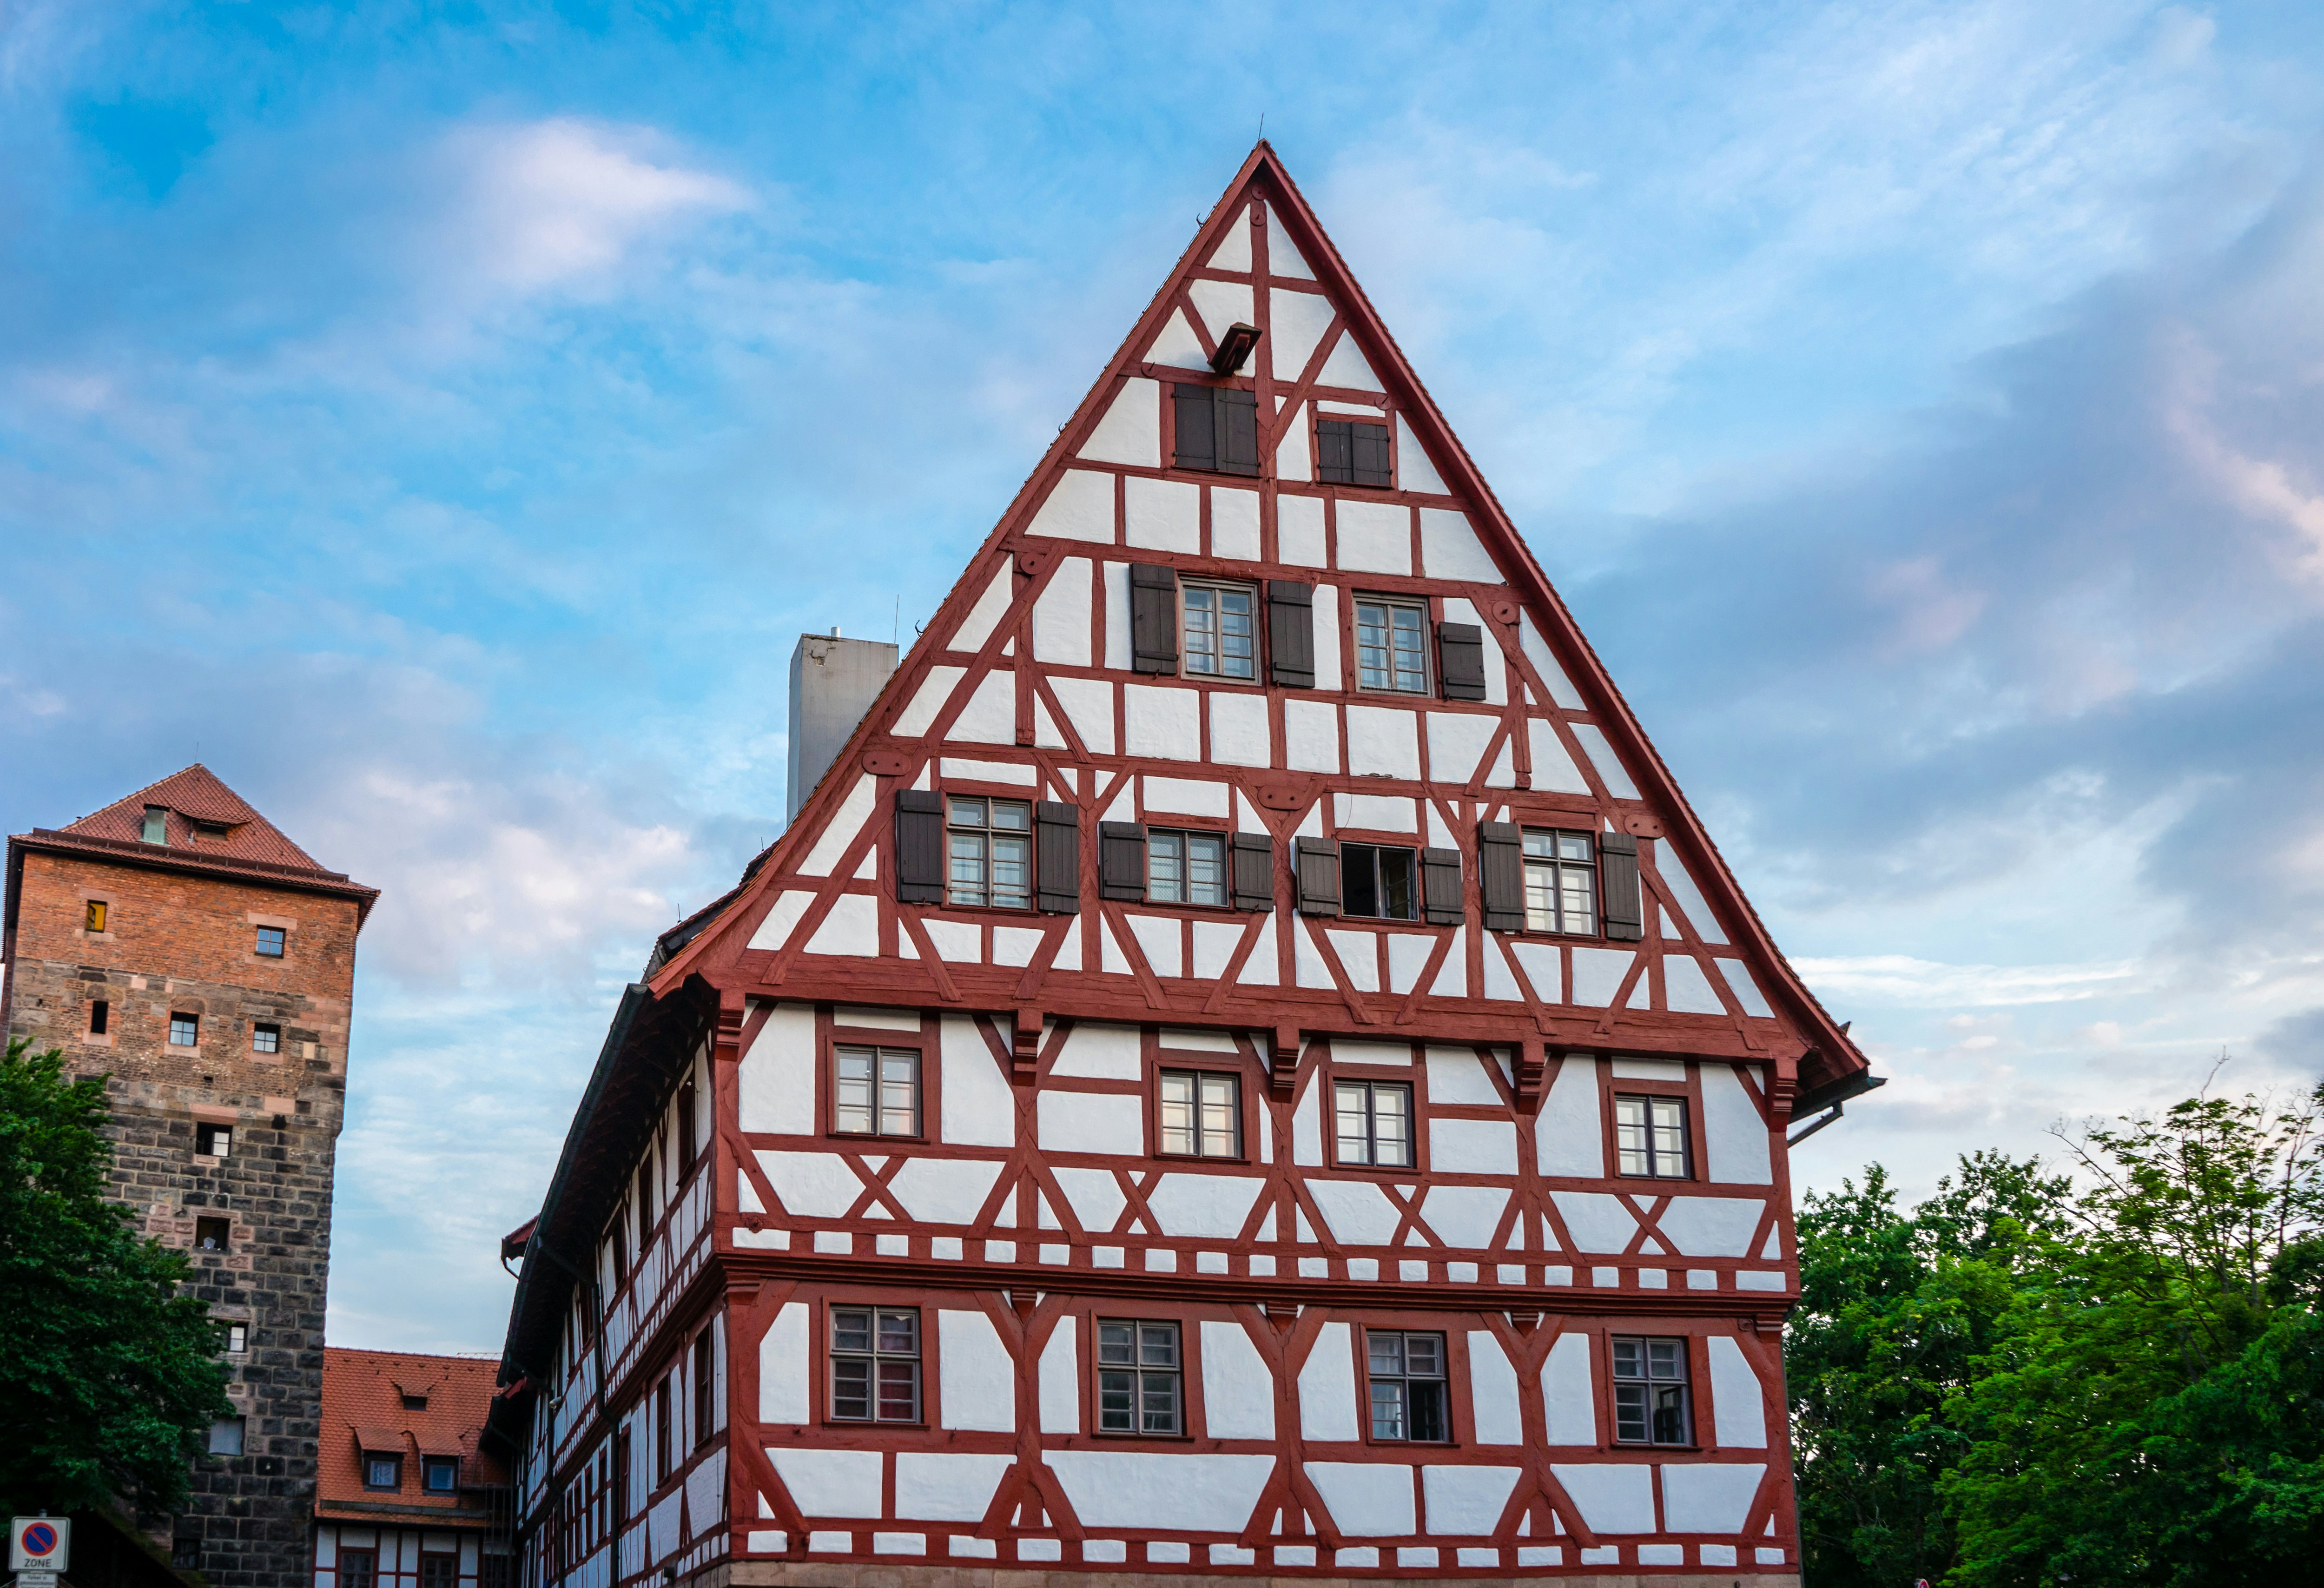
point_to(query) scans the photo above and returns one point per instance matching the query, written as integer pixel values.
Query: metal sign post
(39, 1547)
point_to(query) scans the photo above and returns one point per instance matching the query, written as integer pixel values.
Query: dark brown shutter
(1501, 873)
(1197, 430)
(1153, 618)
(1440, 887)
(919, 848)
(1460, 660)
(1334, 456)
(1319, 877)
(1291, 634)
(1254, 871)
(1368, 455)
(1057, 856)
(1238, 413)
(1618, 883)
(1121, 861)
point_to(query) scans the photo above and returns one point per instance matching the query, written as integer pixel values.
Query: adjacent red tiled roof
(208, 827)
(364, 1410)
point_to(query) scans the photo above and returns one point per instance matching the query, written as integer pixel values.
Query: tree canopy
(2112, 1375)
(109, 1377)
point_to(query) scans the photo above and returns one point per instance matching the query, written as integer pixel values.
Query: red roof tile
(364, 1410)
(196, 795)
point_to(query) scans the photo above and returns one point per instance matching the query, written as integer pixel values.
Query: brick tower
(178, 943)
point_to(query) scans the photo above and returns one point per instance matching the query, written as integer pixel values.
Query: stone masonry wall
(175, 944)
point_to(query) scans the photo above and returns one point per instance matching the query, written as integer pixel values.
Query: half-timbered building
(1245, 1062)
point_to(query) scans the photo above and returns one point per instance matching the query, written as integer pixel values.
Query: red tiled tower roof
(206, 827)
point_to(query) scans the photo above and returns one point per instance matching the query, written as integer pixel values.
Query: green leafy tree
(1896, 1309)
(109, 1377)
(2149, 1413)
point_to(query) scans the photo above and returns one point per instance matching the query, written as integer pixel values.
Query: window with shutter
(1254, 871)
(1153, 618)
(1460, 660)
(1500, 875)
(1318, 876)
(1349, 452)
(920, 846)
(1618, 880)
(1058, 857)
(1217, 430)
(1121, 861)
(1291, 634)
(1440, 876)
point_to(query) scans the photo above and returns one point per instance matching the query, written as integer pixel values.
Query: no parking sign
(40, 1545)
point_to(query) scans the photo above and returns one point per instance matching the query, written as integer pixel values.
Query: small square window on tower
(93, 914)
(185, 1030)
(226, 1436)
(265, 1037)
(270, 942)
(237, 1339)
(213, 1140)
(100, 1017)
(210, 1234)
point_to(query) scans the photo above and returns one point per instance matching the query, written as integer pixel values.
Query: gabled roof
(206, 827)
(1835, 1060)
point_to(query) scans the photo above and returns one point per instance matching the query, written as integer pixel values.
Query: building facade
(1246, 1065)
(177, 942)
(407, 1495)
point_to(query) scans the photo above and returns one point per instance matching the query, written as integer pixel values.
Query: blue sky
(442, 421)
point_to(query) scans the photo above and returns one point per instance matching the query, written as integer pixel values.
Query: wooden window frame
(369, 1577)
(1194, 828)
(193, 1021)
(1234, 1076)
(1409, 843)
(1253, 588)
(96, 914)
(1689, 1160)
(1647, 1332)
(923, 1361)
(1019, 797)
(705, 1376)
(1401, 1327)
(1689, 1089)
(1527, 861)
(1354, 1072)
(830, 1036)
(433, 1464)
(281, 942)
(394, 1459)
(266, 1028)
(1181, 1374)
(1423, 604)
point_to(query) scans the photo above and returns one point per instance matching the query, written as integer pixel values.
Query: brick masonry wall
(175, 944)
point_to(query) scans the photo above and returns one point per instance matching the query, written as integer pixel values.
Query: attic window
(415, 1403)
(157, 825)
(212, 830)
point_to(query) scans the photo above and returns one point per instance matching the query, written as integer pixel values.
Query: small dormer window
(440, 1474)
(415, 1403)
(212, 831)
(157, 825)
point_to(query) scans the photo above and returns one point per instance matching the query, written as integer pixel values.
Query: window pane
(1575, 898)
(1670, 1137)
(1631, 1143)
(1012, 816)
(899, 1333)
(1427, 1398)
(854, 1095)
(1117, 1342)
(1207, 868)
(1160, 1403)
(1392, 1125)
(899, 1391)
(1573, 846)
(1398, 894)
(1424, 1354)
(1202, 629)
(1116, 1402)
(1541, 896)
(1237, 654)
(1670, 1415)
(851, 1330)
(1012, 872)
(1387, 1353)
(1411, 672)
(967, 813)
(1158, 1345)
(1387, 1409)
(1626, 1360)
(1359, 877)
(1663, 1360)
(851, 1388)
(1165, 875)
(1352, 1109)
(1221, 1134)
(1177, 1111)
(1630, 1411)
(899, 1092)
(1371, 644)
(967, 868)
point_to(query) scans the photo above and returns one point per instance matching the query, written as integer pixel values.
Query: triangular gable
(198, 794)
(1102, 497)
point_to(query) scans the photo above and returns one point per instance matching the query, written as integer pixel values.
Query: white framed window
(1217, 630)
(1561, 882)
(990, 843)
(1392, 645)
(1140, 1378)
(1187, 868)
(1650, 1137)
(875, 1091)
(1202, 1113)
(1373, 1123)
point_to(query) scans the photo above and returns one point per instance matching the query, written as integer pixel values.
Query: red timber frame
(1032, 1206)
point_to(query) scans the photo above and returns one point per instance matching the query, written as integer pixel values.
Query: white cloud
(1902, 980)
